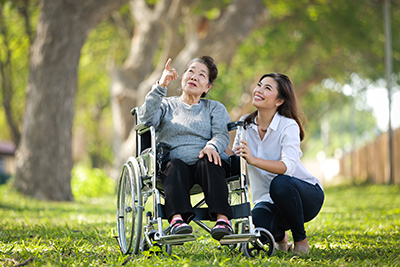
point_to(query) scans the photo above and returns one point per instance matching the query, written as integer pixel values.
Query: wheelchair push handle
(140, 127)
(234, 125)
(134, 111)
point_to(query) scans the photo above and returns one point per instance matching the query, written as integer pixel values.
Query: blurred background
(71, 72)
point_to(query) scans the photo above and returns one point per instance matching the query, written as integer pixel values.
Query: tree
(44, 159)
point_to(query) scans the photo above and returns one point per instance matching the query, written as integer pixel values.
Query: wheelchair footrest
(238, 238)
(177, 239)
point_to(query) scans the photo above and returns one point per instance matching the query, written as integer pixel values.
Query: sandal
(180, 227)
(220, 230)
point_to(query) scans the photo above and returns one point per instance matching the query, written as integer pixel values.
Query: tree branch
(139, 10)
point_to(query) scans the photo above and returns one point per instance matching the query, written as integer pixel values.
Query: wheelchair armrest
(232, 178)
(234, 125)
(143, 127)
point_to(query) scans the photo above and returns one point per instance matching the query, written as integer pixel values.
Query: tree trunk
(218, 38)
(44, 158)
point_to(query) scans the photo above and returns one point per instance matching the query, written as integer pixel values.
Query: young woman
(196, 130)
(285, 194)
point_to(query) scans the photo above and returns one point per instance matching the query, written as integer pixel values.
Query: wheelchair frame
(138, 182)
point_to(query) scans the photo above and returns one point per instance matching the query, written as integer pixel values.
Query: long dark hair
(289, 108)
(212, 68)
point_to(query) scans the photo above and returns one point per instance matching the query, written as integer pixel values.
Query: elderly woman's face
(195, 80)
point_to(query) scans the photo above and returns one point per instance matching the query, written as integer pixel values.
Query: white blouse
(281, 142)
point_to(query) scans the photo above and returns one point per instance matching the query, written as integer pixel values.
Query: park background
(72, 70)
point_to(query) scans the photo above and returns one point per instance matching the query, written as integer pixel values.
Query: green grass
(358, 226)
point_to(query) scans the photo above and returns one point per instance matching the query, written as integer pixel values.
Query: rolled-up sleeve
(290, 147)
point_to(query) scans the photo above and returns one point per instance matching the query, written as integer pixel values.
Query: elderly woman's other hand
(212, 155)
(168, 74)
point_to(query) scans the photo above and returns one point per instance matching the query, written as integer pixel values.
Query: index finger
(243, 142)
(167, 65)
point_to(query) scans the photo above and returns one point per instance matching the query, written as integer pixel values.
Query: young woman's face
(265, 95)
(195, 80)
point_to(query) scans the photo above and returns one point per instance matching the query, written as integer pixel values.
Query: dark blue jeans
(295, 202)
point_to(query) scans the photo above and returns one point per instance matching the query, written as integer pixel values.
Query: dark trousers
(295, 202)
(178, 178)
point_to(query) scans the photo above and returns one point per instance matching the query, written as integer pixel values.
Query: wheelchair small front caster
(264, 245)
(155, 247)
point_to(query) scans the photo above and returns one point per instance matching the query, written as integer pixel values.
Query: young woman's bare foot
(284, 245)
(301, 247)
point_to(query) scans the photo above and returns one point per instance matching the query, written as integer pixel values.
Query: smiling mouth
(257, 97)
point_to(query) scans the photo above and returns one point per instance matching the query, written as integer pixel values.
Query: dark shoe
(180, 227)
(220, 230)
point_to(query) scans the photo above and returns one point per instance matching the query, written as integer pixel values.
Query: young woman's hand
(168, 74)
(211, 154)
(243, 150)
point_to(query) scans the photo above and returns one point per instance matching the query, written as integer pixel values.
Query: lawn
(358, 226)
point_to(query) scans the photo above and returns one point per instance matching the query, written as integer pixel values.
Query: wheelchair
(138, 184)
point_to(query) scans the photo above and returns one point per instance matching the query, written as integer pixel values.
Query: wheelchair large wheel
(129, 207)
(264, 246)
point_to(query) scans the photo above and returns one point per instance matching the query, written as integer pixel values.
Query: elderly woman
(196, 130)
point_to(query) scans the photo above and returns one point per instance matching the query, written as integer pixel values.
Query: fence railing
(371, 162)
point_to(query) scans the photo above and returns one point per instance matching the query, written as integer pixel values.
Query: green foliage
(335, 120)
(88, 183)
(314, 42)
(211, 9)
(16, 42)
(357, 226)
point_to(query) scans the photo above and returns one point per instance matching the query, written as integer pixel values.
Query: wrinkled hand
(243, 150)
(168, 74)
(212, 155)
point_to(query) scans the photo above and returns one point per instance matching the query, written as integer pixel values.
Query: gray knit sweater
(187, 129)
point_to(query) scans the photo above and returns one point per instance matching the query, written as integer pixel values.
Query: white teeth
(258, 98)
